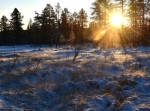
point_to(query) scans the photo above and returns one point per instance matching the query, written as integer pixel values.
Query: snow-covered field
(46, 79)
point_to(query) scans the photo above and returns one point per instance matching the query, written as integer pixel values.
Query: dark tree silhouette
(4, 23)
(29, 32)
(75, 26)
(64, 27)
(138, 13)
(82, 20)
(4, 29)
(46, 24)
(16, 21)
(52, 25)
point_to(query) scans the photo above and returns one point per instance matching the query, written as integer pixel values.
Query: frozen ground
(46, 79)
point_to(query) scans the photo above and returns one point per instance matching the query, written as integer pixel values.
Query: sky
(28, 7)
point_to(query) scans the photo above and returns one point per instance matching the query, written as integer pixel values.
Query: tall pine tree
(16, 21)
(4, 29)
(82, 20)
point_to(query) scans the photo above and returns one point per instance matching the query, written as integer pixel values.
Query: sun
(116, 19)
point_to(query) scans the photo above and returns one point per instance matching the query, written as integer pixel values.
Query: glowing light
(99, 35)
(116, 19)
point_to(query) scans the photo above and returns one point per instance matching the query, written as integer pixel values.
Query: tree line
(56, 26)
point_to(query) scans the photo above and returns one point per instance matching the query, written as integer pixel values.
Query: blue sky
(27, 7)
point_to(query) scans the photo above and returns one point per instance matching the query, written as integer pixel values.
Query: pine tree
(4, 23)
(4, 29)
(82, 20)
(46, 22)
(96, 12)
(64, 26)
(29, 31)
(75, 25)
(51, 23)
(16, 21)
(100, 10)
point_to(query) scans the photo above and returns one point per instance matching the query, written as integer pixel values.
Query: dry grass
(30, 65)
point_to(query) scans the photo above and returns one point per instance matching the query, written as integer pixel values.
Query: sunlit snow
(41, 78)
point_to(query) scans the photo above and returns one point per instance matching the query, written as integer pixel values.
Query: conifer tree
(4, 29)
(82, 20)
(16, 21)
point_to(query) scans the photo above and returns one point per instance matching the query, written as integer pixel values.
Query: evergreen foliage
(57, 25)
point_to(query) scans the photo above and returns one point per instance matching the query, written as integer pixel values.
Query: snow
(44, 78)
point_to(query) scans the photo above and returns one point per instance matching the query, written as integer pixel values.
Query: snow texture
(46, 79)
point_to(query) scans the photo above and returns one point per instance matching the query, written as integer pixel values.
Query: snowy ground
(46, 79)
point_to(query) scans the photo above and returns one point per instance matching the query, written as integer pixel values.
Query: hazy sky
(27, 7)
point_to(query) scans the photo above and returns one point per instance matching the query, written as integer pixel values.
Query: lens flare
(116, 20)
